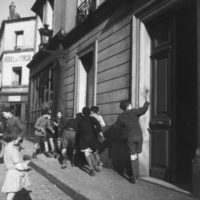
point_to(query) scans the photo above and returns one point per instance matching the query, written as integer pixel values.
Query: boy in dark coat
(129, 121)
(68, 138)
(87, 137)
(59, 123)
(13, 126)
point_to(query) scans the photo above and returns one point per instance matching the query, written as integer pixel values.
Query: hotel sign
(14, 98)
(17, 58)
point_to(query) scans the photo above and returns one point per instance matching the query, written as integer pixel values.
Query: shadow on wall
(114, 151)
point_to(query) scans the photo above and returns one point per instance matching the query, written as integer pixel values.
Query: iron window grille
(84, 9)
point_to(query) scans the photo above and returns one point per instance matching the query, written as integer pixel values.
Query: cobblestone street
(41, 188)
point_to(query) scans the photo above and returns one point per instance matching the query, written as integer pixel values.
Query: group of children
(84, 133)
(54, 137)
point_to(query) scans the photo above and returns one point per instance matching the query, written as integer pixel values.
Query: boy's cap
(45, 111)
(86, 111)
(95, 109)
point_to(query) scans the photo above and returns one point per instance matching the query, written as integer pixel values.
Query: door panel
(161, 83)
(162, 99)
(160, 162)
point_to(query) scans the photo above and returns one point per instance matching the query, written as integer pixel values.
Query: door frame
(94, 48)
(164, 125)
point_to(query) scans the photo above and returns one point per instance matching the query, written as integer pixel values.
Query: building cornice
(18, 51)
(145, 10)
(6, 93)
(9, 21)
(14, 86)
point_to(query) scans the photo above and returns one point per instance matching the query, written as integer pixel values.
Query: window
(17, 76)
(85, 7)
(19, 39)
(42, 91)
(86, 81)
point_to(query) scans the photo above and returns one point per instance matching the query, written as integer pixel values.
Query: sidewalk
(106, 185)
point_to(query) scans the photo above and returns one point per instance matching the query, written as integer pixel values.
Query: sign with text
(17, 58)
(14, 98)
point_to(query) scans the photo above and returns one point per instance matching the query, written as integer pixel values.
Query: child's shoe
(132, 179)
(92, 172)
(99, 167)
(63, 166)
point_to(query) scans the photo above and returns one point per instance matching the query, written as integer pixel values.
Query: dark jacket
(72, 124)
(88, 127)
(61, 123)
(14, 126)
(129, 121)
(43, 123)
(87, 133)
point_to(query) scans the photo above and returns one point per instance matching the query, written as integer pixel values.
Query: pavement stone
(106, 185)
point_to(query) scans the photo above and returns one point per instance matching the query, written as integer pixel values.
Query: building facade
(113, 50)
(17, 49)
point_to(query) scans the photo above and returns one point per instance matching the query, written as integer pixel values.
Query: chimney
(12, 10)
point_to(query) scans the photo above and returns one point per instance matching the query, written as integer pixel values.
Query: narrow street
(41, 188)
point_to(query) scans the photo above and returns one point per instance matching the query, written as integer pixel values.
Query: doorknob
(160, 122)
(157, 122)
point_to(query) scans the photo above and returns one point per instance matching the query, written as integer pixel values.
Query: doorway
(173, 123)
(86, 81)
(16, 108)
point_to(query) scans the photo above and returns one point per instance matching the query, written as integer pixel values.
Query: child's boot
(134, 171)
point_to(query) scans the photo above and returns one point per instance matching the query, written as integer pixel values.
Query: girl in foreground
(17, 169)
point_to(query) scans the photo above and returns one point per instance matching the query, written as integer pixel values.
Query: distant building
(17, 37)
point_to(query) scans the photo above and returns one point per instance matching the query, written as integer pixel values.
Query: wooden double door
(173, 122)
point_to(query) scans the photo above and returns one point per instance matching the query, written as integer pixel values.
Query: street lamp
(45, 35)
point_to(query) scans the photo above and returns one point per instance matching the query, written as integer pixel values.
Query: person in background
(88, 139)
(12, 125)
(129, 121)
(1, 139)
(95, 114)
(41, 126)
(51, 137)
(17, 170)
(59, 123)
(69, 138)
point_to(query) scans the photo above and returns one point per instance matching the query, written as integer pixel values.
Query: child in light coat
(17, 169)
